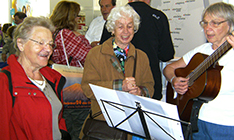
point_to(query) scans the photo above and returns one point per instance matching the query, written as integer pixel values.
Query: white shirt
(94, 32)
(221, 109)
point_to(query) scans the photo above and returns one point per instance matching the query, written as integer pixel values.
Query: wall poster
(184, 17)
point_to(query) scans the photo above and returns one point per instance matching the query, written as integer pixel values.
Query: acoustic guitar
(204, 81)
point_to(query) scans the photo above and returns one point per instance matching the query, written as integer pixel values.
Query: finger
(232, 33)
(134, 92)
(130, 78)
(133, 85)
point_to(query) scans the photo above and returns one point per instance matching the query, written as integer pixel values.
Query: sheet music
(117, 111)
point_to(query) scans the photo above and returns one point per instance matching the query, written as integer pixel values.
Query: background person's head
(10, 31)
(106, 6)
(66, 15)
(6, 26)
(19, 17)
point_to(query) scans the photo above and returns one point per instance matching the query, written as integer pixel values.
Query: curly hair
(122, 12)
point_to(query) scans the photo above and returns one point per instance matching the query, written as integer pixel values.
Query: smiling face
(216, 35)
(34, 55)
(124, 31)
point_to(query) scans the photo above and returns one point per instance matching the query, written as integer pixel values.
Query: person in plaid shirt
(65, 17)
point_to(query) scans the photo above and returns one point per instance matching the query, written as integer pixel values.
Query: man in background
(96, 26)
(153, 37)
(19, 17)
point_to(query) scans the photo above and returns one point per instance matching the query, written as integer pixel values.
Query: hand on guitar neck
(230, 39)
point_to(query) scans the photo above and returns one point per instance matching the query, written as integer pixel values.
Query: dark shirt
(153, 37)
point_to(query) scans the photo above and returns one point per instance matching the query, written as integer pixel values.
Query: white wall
(45, 8)
(5, 11)
(184, 18)
(40, 7)
(229, 1)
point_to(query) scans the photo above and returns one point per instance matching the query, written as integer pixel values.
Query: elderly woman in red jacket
(34, 110)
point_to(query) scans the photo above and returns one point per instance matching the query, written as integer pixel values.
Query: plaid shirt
(77, 47)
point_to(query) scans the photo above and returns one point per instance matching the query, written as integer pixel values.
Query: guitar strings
(209, 61)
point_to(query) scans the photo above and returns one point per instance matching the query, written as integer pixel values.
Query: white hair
(122, 12)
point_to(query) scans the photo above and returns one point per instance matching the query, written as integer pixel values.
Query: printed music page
(162, 119)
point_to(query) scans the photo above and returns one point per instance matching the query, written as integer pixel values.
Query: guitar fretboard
(209, 61)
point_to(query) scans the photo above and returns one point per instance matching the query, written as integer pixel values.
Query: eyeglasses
(212, 23)
(51, 44)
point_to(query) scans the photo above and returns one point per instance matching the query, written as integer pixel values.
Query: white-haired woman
(113, 64)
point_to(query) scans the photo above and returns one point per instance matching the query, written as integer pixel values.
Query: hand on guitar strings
(180, 84)
(129, 85)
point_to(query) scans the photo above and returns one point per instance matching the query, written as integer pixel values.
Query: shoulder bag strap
(8, 74)
(134, 68)
(64, 49)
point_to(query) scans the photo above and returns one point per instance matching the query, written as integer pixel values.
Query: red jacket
(31, 116)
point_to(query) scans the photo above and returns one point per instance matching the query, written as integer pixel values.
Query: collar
(116, 46)
(107, 48)
(17, 72)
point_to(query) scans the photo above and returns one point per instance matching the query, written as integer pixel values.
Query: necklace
(38, 82)
(43, 86)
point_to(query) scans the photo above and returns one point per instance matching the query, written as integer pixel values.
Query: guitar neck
(209, 61)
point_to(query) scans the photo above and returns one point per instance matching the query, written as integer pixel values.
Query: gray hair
(24, 30)
(121, 12)
(223, 10)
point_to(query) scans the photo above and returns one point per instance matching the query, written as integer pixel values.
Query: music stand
(123, 111)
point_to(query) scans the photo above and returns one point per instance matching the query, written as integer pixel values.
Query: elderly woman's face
(216, 29)
(124, 32)
(37, 50)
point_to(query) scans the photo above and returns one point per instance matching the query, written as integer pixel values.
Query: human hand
(95, 43)
(180, 84)
(230, 39)
(135, 91)
(129, 85)
(77, 33)
(4, 57)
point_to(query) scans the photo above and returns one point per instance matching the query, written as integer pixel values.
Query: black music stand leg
(187, 131)
(143, 122)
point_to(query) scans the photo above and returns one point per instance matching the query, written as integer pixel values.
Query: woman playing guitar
(197, 75)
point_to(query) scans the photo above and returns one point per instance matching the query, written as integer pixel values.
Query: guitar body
(205, 87)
